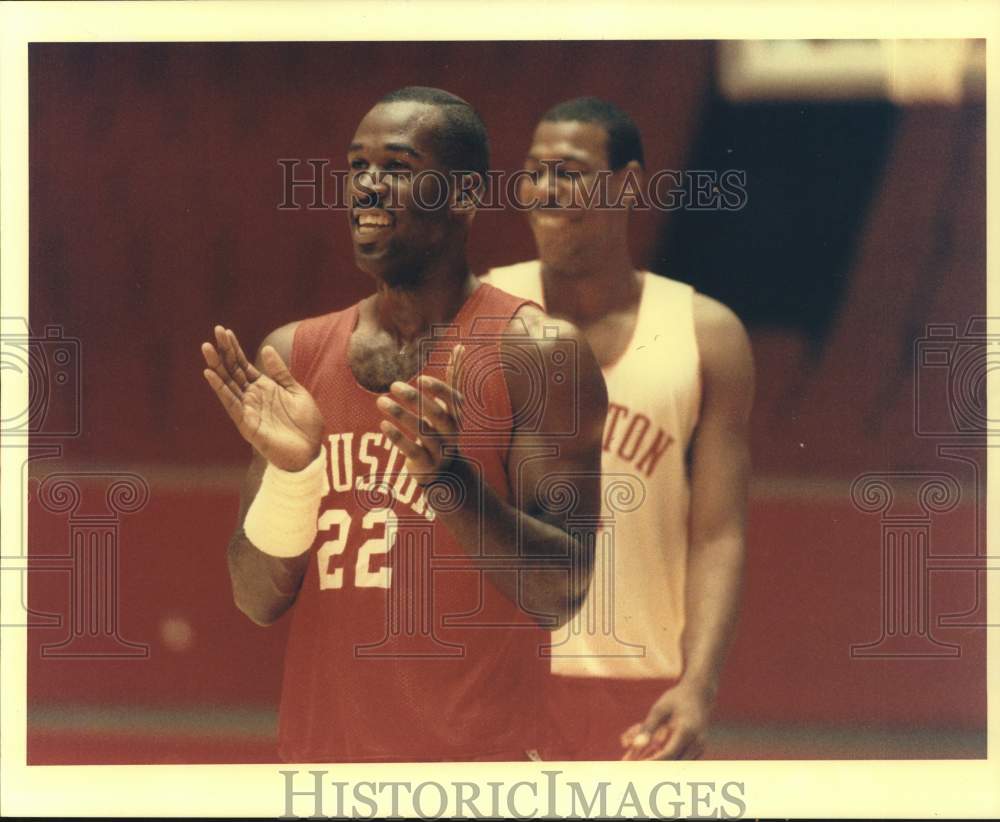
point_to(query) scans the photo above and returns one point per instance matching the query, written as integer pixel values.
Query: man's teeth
(374, 220)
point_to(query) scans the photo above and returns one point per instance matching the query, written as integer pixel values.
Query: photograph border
(772, 788)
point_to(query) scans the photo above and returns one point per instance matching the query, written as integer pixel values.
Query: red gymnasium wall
(154, 192)
(155, 187)
(813, 593)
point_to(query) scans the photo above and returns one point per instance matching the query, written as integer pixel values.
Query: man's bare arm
(720, 472)
(555, 538)
(264, 586)
(556, 480)
(720, 475)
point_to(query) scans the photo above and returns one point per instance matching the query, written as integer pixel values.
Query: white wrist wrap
(281, 520)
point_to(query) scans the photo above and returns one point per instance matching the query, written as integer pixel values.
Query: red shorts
(586, 716)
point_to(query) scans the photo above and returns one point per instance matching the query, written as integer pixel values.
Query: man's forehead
(397, 121)
(567, 138)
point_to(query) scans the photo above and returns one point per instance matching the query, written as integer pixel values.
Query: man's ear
(466, 194)
(630, 184)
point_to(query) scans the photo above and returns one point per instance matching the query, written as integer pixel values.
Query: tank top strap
(324, 338)
(488, 312)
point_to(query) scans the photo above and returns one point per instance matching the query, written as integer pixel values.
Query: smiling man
(400, 495)
(641, 661)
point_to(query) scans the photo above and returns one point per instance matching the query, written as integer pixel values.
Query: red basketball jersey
(401, 648)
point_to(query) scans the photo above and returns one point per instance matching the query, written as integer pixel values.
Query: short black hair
(461, 143)
(624, 142)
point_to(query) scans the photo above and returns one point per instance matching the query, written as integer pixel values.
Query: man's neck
(587, 292)
(409, 313)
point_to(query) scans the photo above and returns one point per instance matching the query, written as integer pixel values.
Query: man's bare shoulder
(712, 316)
(723, 343)
(281, 340)
(533, 323)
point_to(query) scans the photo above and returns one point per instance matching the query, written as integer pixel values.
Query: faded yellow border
(841, 789)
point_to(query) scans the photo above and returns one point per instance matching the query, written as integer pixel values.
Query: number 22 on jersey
(364, 576)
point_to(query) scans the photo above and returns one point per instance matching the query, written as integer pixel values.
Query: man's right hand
(272, 411)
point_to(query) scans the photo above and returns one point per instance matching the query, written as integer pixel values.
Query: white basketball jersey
(631, 622)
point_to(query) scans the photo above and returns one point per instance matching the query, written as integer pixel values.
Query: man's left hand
(675, 726)
(423, 422)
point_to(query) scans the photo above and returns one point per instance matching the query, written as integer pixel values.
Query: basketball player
(680, 380)
(392, 495)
